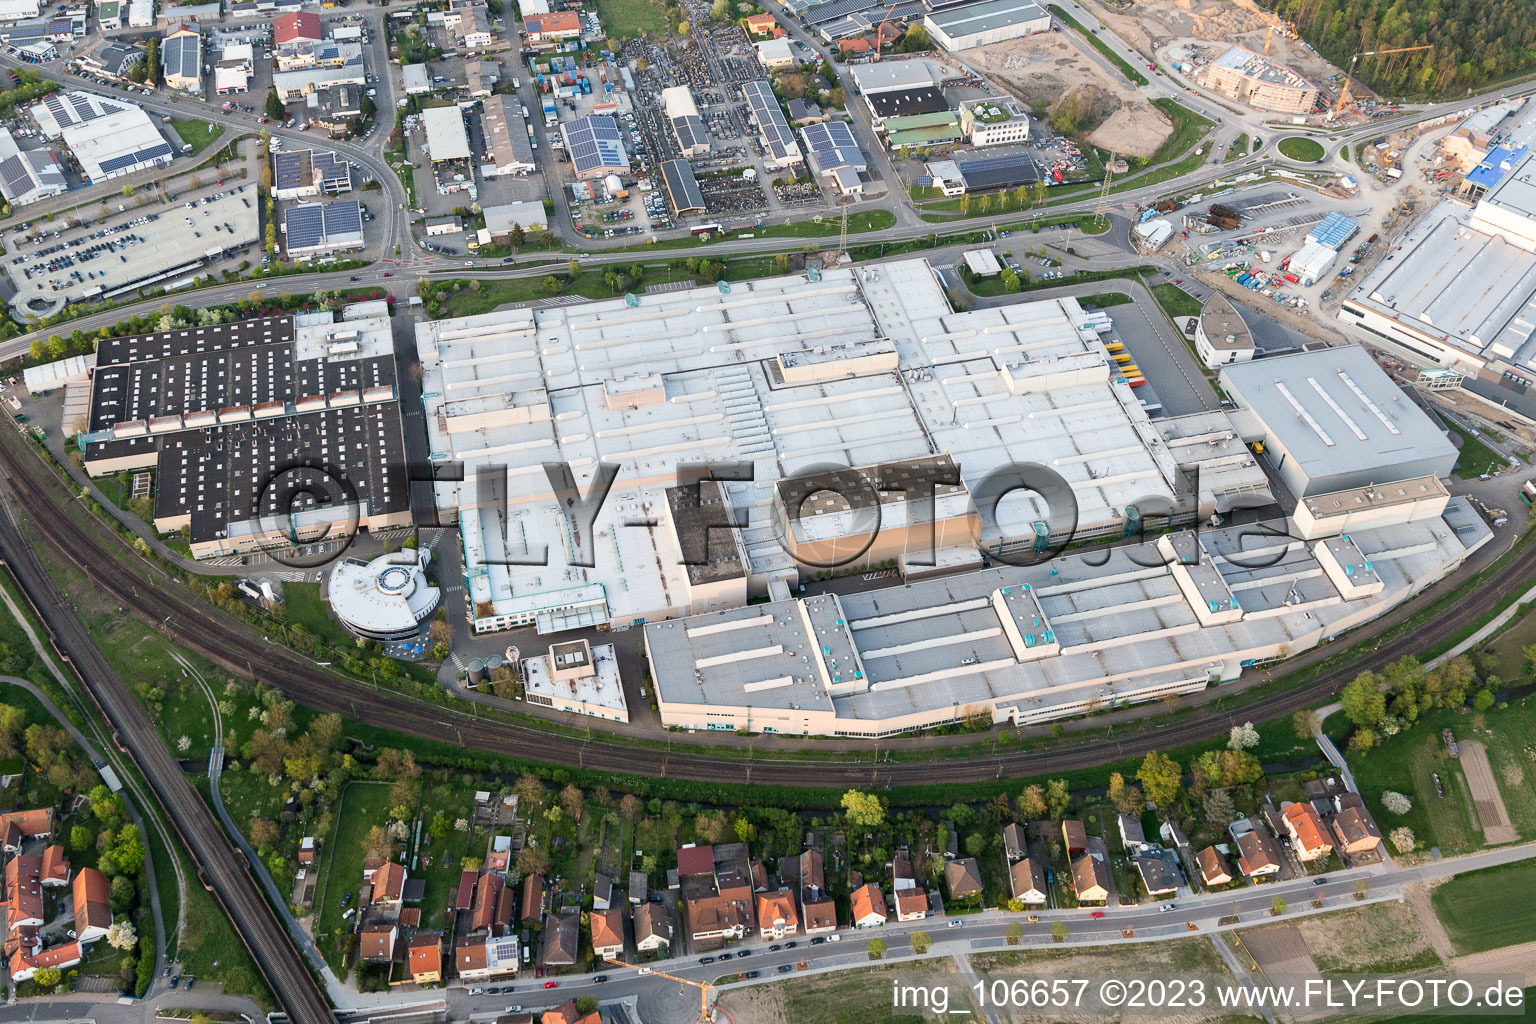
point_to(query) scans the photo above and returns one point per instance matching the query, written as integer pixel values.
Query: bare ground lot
(1039, 69)
(1519, 959)
(1486, 797)
(844, 997)
(1380, 938)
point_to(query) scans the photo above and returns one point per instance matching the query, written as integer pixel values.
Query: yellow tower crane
(1344, 92)
(704, 987)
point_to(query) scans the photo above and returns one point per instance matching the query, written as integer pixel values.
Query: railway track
(223, 869)
(166, 603)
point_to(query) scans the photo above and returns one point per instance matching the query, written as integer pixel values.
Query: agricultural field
(1478, 911)
(623, 19)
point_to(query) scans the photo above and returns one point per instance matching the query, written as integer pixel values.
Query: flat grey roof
(983, 17)
(1335, 410)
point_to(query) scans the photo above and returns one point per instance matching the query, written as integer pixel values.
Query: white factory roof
(530, 214)
(446, 137)
(983, 262)
(1120, 619)
(1338, 412)
(415, 79)
(677, 101)
(525, 387)
(890, 75)
(602, 689)
(969, 19)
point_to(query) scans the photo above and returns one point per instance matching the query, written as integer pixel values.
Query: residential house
(18, 825)
(902, 875)
(818, 914)
(911, 904)
(93, 910)
(776, 916)
(533, 898)
(25, 964)
(466, 895)
(55, 867)
(1356, 832)
(552, 29)
(560, 939)
(1258, 855)
(607, 928)
(716, 893)
(1214, 870)
(425, 953)
(569, 1014)
(506, 911)
(23, 894)
(763, 24)
(602, 891)
(804, 112)
(867, 906)
(1308, 836)
(1026, 881)
(376, 943)
(653, 928)
(307, 850)
(488, 890)
(1090, 877)
(1157, 874)
(1015, 842)
(388, 883)
(111, 59)
(1074, 836)
(296, 27)
(498, 853)
(962, 878)
(1131, 832)
(478, 957)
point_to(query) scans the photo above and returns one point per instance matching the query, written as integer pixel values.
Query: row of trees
(1381, 704)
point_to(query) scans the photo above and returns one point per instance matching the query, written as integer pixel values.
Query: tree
(1277, 906)
(1243, 737)
(551, 286)
(1009, 279)
(1015, 933)
(1161, 779)
(1396, 802)
(876, 948)
(1219, 808)
(864, 810)
(975, 844)
(532, 860)
(376, 843)
(275, 108)
(122, 894)
(440, 826)
(1403, 839)
(916, 39)
(572, 801)
(1483, 699)
(48, 977)
(586, 1005)
(1060, 931)
(263, 832)
(1057, 797)
(12, 722)
(122, 935)
(1032, 802)
(1364, 701)
(921, 941)
(1305, 722)
(1126, 798)
(81, 837)
(152, 60)
(630, 808)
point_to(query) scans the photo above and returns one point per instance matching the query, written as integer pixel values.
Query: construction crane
(880, 30)
(704, 987)
(1285, 28)
(1344, 92)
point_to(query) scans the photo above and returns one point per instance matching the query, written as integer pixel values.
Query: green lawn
(1474, 457)
(864, 220)
(1407, 764)
(1176, 302)
(1239, 149)
(1483, 910)
(1296, 147)
(439, 861)
(1103, 300)
(1188, 127)
(197, 134)
(362, 806)
(625, 18)
(1098, 44)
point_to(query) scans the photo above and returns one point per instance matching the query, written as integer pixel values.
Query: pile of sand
(1149, 25)
(1134, 130)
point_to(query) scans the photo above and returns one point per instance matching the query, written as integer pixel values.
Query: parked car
(1096, 914)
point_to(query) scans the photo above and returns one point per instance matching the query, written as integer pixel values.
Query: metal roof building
(1332, 419)
(108, 138)
(508, 146)
(682, 187)
(28, 176)
(998, 172)
(596, 146)
(314, 229)
(991, 21)
(778, 140)
(1333, 231)
(831, 145)
(446, 137)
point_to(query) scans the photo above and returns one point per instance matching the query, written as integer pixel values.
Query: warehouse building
(499, 220)
(319, 229)
(835, 155)
(683, 193)
(301, 173)
(1025, 645)
(596, 147)
(447, 138)
(219, 412)
(790, 373)
(990, 173)
(509, 144)
(687, 125)
(1253, 78)
(780, 150)
(991, 21)
(1331, 419)
(989, 122)
(28, 176)
(107, 138)
(181, 58)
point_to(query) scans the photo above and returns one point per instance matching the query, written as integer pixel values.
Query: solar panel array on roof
(139, 156)
(180, 55)
(834, 9)
(16, 174)
(75, 108)
(999, 172)
(682, 187)
(332, 172)
(305, 226)
(292, 170)
(691, 134)
(594, 143)
(832, 146)
(777, 137)
(906, 102)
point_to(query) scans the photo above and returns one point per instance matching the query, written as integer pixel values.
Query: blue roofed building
(596, 146)
(1333, 231)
